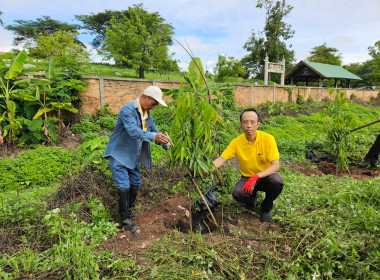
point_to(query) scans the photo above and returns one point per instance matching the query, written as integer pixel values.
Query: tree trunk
(141, 72)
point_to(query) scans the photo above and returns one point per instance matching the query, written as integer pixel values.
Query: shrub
(35, 168)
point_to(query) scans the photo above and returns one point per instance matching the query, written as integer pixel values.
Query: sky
(211, 28)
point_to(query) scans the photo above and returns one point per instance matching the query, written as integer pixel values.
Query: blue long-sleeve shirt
(129, 143)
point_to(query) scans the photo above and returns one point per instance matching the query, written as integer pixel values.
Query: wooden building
(306, 71)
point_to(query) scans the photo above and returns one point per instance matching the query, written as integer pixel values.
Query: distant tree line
(138, 39)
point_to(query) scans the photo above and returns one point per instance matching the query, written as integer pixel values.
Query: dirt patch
(154, 222)
(328, 168)
(173, 213)
(66, 139)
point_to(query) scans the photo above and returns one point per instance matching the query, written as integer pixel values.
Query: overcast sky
(213, 27)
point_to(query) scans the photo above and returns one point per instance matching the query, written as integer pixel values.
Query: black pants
(271, 185)
(374, 151)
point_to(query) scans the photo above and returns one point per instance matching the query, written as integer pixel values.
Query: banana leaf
(16, 66)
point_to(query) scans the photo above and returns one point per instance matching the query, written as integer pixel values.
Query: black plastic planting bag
(210, 197)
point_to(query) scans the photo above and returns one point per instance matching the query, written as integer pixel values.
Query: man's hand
(161, 138)
(247, 188)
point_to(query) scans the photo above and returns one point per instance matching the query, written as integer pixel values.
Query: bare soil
(327, 168)
(66, 139)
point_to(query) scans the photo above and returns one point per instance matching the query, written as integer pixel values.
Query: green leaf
(50, 71)
(65, 106)
(16, 66)
(41, 111)
(25, 96)
(195, 73)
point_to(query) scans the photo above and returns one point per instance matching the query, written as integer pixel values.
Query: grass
(329, 226)
(104, 70)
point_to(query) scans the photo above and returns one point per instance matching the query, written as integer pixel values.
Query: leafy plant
(339, 137)
(41, 92)
(194, 119)
(12, 124)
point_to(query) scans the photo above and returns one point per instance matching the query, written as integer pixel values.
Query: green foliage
(85, 126)
(139, 41)
(97, 24)
(279, 107)
(27, 31)
(61, 45)
(271, 41)
(335, 224)
(48, 95)
(339, 138)
(324, 54)
(35, 168)
(228, 67)
(9, 124)
(194, 120)
(75, 252)
(192, 257)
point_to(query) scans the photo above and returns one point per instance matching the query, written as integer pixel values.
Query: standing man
(128, 145)
(259, 161)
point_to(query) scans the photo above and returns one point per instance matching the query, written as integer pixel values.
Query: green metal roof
(329, 71)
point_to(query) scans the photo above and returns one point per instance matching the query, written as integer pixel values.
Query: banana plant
(40, 91)
(7, 92)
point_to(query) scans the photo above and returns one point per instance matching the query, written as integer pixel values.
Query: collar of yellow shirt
(144, 115)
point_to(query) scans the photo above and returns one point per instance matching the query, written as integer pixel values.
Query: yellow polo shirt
(253, 158)
(144, 116)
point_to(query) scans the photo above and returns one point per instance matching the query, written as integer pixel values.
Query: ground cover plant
(59, 207)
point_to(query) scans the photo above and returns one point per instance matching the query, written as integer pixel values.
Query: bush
(35, 168)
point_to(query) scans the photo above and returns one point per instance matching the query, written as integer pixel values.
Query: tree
(1, 22)
(97, 24)
(27, 31)
(140, 41)
(271, 40)
(61, 45)
(369, 70)
(324, 54)
(168, 65)
(228, 67)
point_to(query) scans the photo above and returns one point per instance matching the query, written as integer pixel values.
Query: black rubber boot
(265, 217)
(126, 221)
(132, 201)
(251, 205)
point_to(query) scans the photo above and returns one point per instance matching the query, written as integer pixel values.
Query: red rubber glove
(247, 188)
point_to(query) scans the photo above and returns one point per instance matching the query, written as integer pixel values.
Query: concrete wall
(119, 91)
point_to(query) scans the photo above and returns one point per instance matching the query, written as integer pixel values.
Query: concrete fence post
(251, 95)
(101, 93)
(274, 94)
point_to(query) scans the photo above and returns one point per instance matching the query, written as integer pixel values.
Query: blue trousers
(123, 176)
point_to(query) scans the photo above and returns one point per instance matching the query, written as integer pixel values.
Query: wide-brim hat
(156, 93)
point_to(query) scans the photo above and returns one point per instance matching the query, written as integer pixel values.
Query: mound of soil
(172, 213)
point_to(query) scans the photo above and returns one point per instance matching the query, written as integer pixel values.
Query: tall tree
(97, 24)
(324, 54)
(139, 41)
(1, 22)
(27, 31)
(61, 45)
(228, 67)
(369, 70)
(272, 40)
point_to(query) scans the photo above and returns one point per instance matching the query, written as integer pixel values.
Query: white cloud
(6, 40)
(223, 26)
